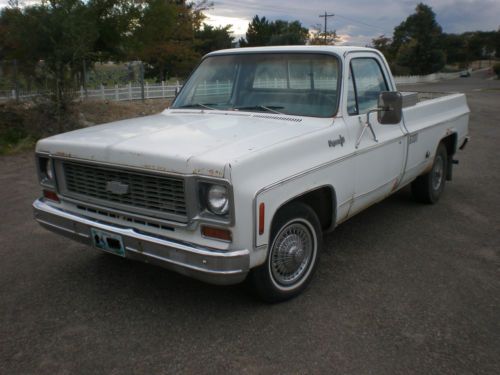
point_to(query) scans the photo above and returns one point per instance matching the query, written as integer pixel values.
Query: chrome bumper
(210, 266)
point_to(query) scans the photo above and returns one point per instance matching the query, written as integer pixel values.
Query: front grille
(143, 192)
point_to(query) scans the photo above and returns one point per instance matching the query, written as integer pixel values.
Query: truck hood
(181, 141)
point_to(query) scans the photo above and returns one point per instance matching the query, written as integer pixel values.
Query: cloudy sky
(358, 21)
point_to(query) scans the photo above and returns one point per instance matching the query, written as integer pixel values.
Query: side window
(368, 81)
(352, 106)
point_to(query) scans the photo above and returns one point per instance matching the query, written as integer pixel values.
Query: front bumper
(214, 267)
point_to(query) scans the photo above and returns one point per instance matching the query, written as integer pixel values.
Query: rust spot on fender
(156, 168)
(395, 185)
(208, 172)
(63, 154)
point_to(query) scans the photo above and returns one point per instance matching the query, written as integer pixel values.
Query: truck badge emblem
(117, 187)
(335, 142)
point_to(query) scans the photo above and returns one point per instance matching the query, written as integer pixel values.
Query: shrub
(496, 69)
(21, 124)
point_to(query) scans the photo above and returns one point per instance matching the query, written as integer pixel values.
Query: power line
(325, 16)
(362, 23)
(294, 11)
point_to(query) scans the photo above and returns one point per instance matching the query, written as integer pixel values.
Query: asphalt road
(402, 288)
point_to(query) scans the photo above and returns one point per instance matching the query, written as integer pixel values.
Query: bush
(21, 124)
(496, 69)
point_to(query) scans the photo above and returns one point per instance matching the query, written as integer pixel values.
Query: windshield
(286, 83)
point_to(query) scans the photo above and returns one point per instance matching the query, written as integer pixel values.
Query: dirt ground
(402, 288)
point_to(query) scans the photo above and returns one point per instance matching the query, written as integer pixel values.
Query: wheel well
(450, 143)
(323, 201)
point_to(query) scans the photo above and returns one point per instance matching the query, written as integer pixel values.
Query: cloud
(359, 21)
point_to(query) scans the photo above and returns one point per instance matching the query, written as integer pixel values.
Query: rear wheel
(429, 187)
(292, 256)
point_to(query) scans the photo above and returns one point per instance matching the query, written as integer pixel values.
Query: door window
(365, 84)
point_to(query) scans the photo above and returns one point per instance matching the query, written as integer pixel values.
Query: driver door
(379, 160)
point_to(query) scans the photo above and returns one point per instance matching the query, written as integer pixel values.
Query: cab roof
(339, 50)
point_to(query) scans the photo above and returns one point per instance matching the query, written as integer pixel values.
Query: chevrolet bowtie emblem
(117, 187)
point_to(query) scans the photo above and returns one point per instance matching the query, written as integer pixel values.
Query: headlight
(46, 171)
(218, 199)
(49, 172)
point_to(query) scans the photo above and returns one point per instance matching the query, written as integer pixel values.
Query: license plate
(110, 242)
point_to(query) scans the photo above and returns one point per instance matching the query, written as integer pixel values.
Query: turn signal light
(262, 214)
(217, 233)
(49, 194)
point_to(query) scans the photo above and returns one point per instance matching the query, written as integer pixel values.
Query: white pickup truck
(262, 151)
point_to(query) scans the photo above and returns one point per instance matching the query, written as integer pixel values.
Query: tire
(429, 187)
(288, 268)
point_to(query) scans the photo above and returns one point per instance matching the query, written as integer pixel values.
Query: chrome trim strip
(61, 228)
(214, 266)
(42, 206)
(333, 162)
(173, 224)
(191, 267)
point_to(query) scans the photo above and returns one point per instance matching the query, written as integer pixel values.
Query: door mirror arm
(367, 125)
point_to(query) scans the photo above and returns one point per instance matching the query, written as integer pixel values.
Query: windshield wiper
(198, 105)
(270, 108)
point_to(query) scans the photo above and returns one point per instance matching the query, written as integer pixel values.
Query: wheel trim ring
(437, 173)
(306, 267)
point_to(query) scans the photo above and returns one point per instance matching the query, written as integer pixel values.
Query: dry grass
(100, 112)
(21, 124)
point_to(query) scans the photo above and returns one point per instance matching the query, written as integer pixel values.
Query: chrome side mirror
(390, 107)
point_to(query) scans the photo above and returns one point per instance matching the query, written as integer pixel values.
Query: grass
(22, 124)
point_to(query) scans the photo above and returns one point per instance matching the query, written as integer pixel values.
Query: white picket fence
(115, 93)
(168, 91)
(424, 79)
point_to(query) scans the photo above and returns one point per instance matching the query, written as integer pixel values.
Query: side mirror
(390, 105)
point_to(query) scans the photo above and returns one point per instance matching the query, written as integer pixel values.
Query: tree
(384, 45)
(417, 42)
(318, 37)
(262, 32)
(210, 38)
(164, 36)
(287, 33)
(258, 33)
(60, 33)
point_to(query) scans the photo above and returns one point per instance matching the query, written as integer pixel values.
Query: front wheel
(429, 187)
(292, 256)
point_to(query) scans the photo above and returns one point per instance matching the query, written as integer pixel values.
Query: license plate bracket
(109, 242)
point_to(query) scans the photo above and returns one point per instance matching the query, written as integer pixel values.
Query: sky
(357, 22)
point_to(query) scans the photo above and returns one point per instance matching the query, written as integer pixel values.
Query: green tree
(262, 32)
(258, 33)
(417, 42)
(210, 38)
(384, 45)
(60, 33)
(164, 36)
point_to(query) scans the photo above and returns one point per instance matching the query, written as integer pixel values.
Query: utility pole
(325, 16)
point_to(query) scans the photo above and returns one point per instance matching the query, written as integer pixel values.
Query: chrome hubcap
(437, 173)
(291, 254)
